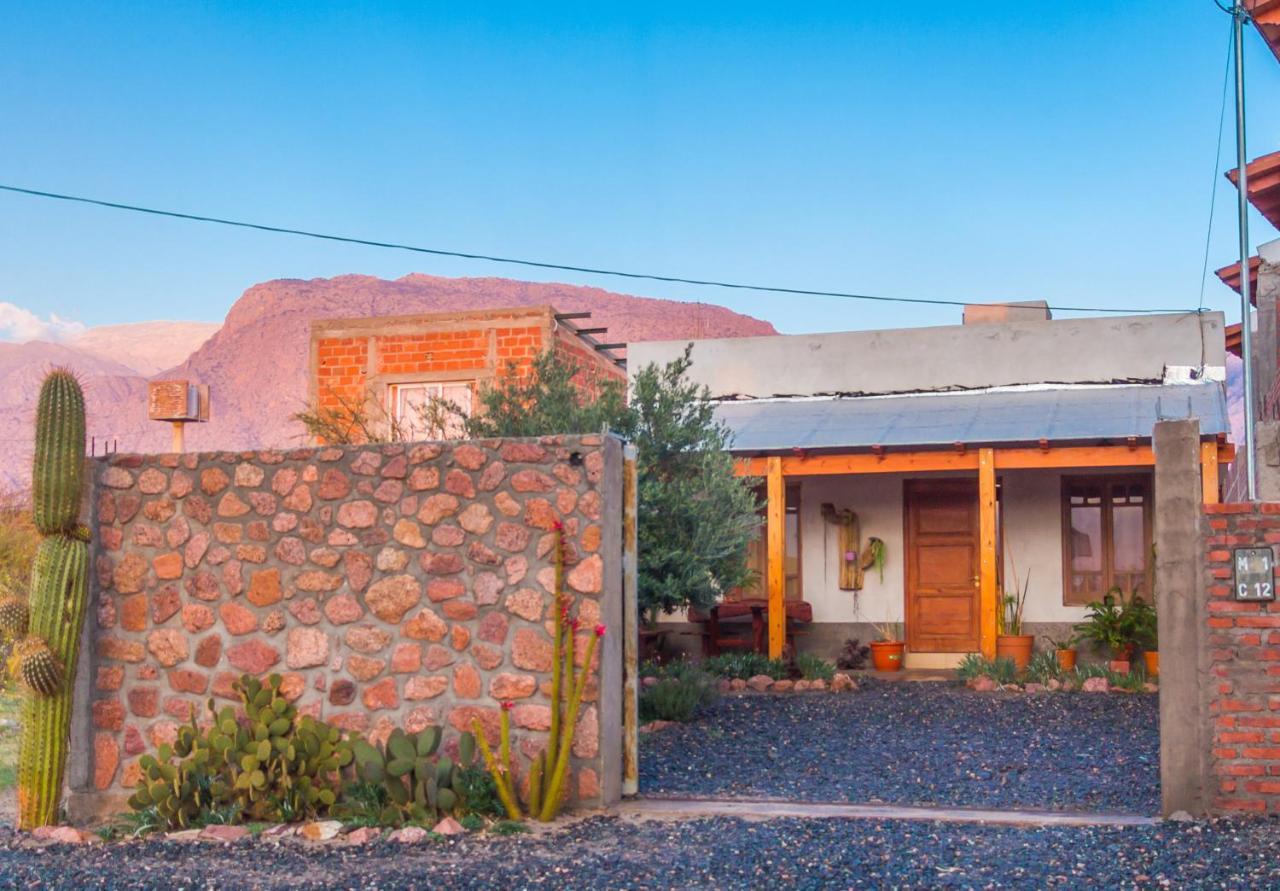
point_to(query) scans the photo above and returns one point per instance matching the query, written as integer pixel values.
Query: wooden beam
(1209, 471)
(1127, 455)
(987, 576)
(933, 460)
(889, 462)
(775, 518)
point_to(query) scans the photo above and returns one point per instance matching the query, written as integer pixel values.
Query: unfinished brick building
(394, 368)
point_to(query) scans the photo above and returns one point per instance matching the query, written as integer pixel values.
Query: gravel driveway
(607, 852)
(917, 743)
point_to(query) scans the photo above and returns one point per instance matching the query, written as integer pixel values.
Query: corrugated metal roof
(1087, 414)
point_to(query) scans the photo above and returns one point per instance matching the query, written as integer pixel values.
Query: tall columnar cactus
(548, 770)
(58, 469)
(56, 605)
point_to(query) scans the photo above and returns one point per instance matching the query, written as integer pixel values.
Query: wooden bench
(725, 626)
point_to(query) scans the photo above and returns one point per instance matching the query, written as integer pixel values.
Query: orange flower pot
(1066, 659)
(886, 655)
(1152, 658)
(1016, 647)
(1120, 666)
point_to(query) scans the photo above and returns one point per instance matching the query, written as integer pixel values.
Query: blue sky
(971, 151)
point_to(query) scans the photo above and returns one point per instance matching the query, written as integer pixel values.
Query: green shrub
(1043, 668)
(814, 668)
(677, 697)
(1002, 671)
(744, 665)
(476, 792)
(972, 666)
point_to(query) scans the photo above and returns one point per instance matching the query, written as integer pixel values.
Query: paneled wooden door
(942, 602)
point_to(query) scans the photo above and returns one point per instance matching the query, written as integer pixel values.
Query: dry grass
(18, 541)
(10, 731)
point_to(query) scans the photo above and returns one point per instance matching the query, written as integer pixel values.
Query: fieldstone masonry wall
(392, 585)
(1242, 691)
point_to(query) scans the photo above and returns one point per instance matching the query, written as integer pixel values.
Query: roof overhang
(1264, 184)
(1230, 276)
(1010, 417)
(1266, 18)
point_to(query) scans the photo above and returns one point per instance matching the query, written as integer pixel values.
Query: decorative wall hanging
(851, 567)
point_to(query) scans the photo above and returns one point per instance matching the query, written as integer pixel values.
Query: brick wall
(353, 359)
(1242, 690)
(393, 585)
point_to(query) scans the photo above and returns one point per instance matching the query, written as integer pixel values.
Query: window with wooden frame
(758, 551)
(430, 409)
(1106, 541)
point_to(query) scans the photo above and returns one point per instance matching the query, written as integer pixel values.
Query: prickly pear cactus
(55, 611)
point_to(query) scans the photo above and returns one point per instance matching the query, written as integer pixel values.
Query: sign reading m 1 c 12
(1255, 574)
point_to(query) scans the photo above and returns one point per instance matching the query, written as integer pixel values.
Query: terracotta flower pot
(886, 655)
(1120, 666)
(1152, 658)
(1016, 647)
(1066, 659)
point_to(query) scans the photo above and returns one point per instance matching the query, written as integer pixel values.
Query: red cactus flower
(575, 624)
(600, 629)
(508, 706)
(557, 525)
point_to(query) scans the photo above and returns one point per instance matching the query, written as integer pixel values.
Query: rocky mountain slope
(256, 363)
(145, 347)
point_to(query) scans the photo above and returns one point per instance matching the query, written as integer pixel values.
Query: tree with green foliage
(556, 396)
(696, 517)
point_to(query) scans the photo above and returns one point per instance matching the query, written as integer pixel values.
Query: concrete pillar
(1267, 442)
(1184, 733)
(1265, 357)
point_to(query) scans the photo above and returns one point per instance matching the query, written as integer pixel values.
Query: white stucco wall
(1032, 502)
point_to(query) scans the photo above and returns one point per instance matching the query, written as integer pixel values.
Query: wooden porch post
(987, 578)
(1209, 471)
(776, 514)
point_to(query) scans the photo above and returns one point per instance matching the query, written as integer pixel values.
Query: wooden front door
(942, 611)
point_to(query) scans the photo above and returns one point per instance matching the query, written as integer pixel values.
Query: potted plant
(1064, 650)
(1109, 627)
(888, 649)
(1011, 643)
(1146, 634)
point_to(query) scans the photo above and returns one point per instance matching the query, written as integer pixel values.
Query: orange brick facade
(1243, 688)
(355, 361)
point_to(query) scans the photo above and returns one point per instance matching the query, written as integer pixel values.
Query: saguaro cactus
(57, 601)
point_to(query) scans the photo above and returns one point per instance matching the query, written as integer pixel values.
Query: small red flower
(557, 525)
(575, 624)
(600, 629)
(508, 706)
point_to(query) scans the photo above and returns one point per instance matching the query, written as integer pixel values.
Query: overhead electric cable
(1217, 158)
(538, 264)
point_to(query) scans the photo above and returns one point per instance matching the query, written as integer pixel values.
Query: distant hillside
(146, 347)
(256, 362)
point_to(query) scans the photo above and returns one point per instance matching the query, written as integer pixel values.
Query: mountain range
(256, 361)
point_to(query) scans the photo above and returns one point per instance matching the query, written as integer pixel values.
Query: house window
(1106, 536)
(430, 410)
(758, 550)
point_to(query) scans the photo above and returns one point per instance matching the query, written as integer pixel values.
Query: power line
(538, 264)
(1217, 157)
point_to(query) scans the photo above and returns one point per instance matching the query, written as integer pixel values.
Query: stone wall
(393, 585)
(1242, 690)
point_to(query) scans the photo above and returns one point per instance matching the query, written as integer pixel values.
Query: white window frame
(396, 401)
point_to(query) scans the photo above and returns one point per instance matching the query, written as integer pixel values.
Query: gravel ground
(917, 743)
(607, 852)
